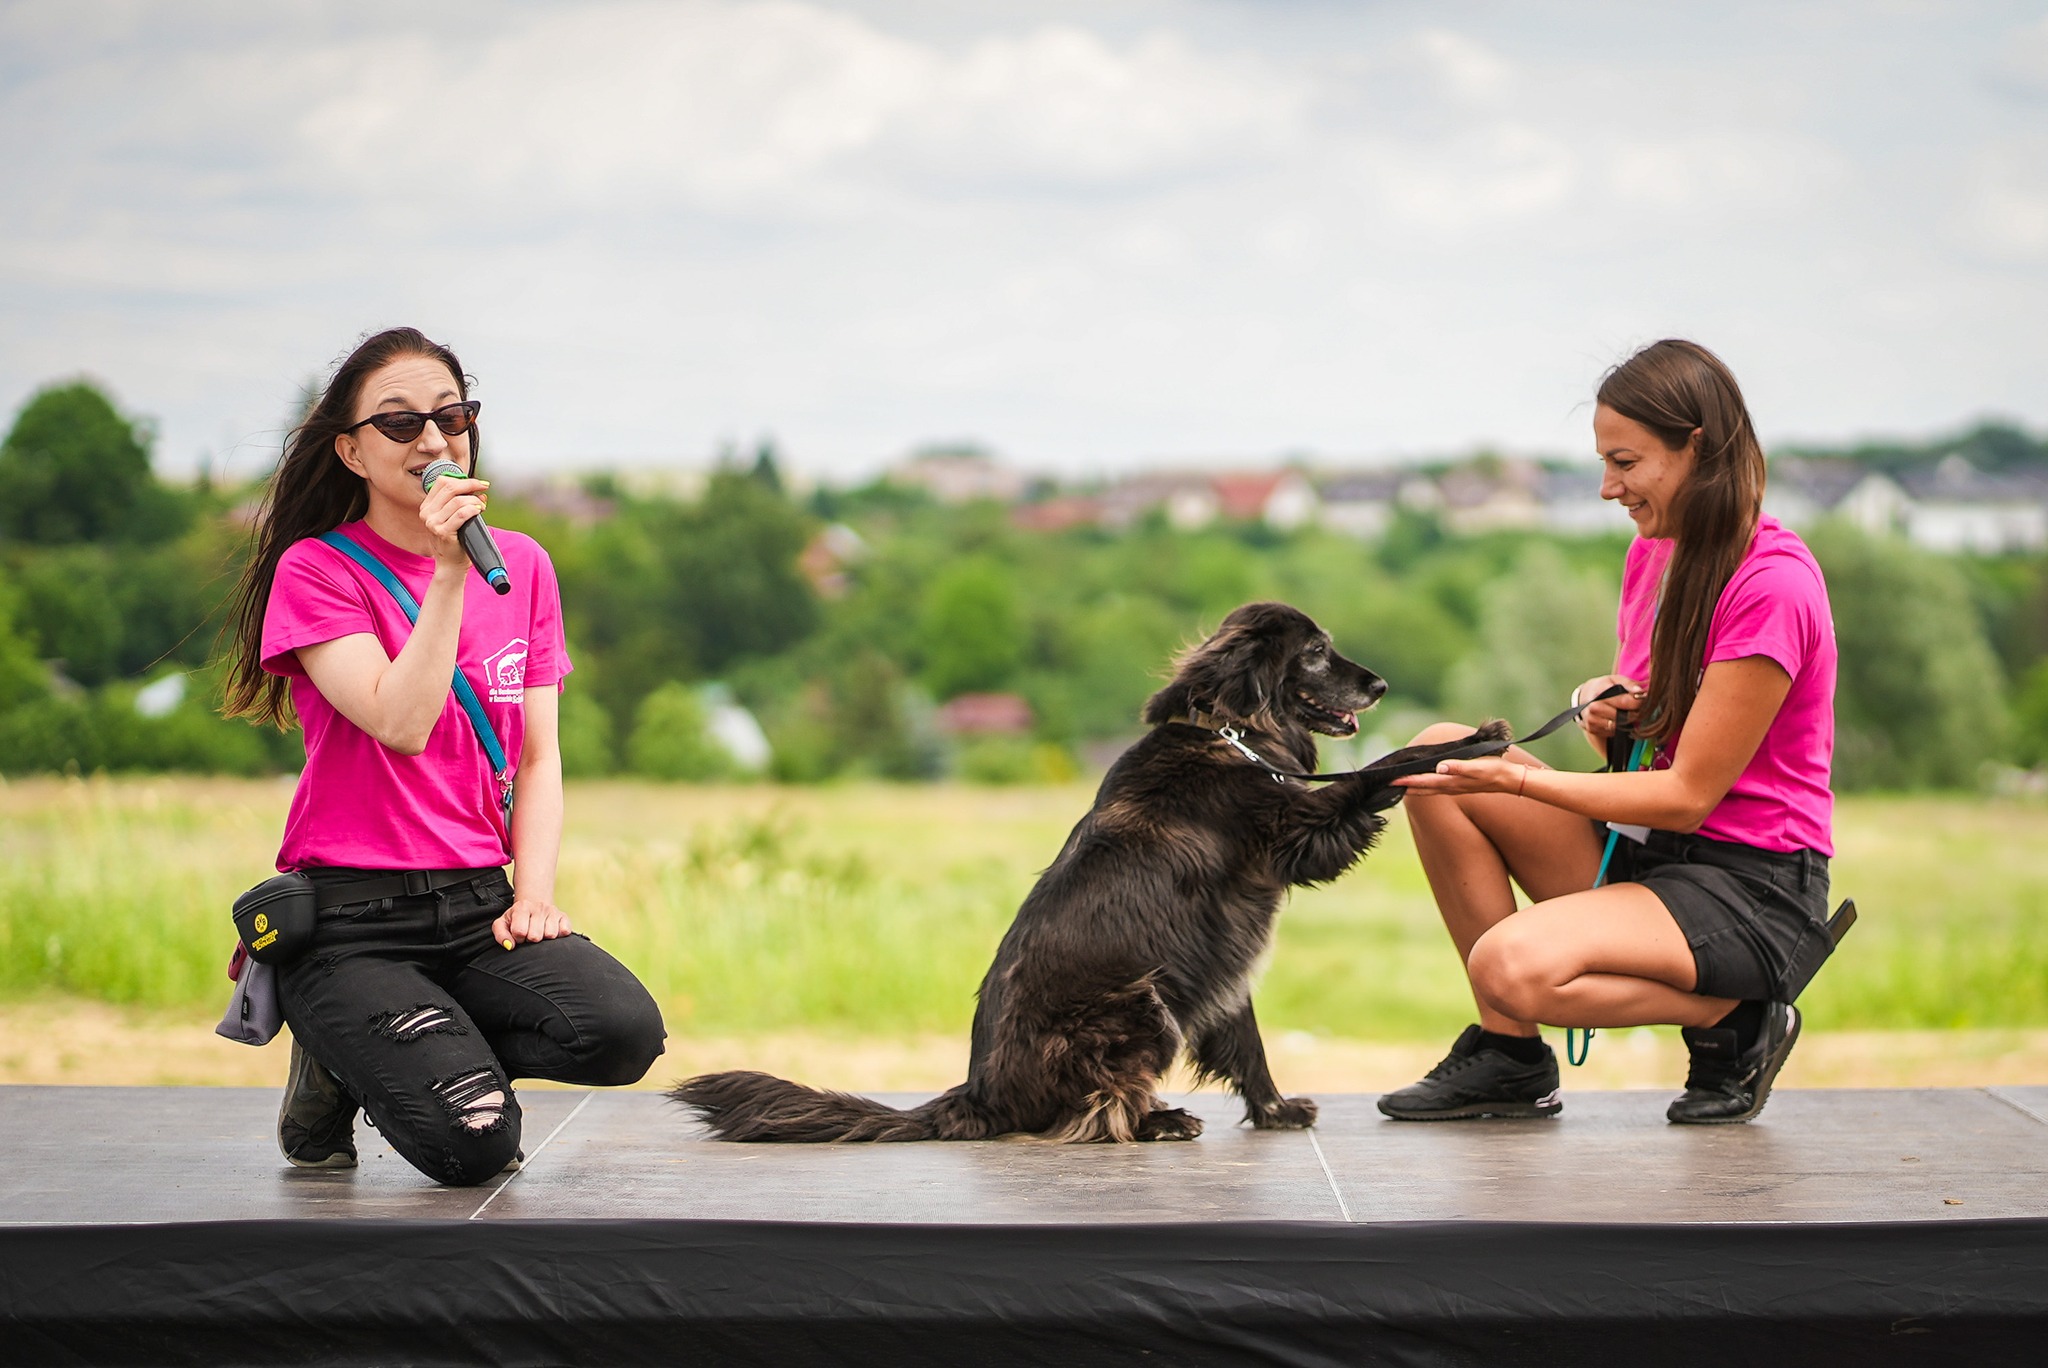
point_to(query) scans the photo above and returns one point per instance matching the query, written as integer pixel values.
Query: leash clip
(1236, 738)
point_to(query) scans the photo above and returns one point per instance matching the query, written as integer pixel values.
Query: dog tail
(749, 1106)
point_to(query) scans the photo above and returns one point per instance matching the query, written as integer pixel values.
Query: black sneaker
(1474, 1082)
(316, 1123)
(1726, 1085)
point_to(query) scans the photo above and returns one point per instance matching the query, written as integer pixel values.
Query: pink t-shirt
(361, 805)
(1775, 605)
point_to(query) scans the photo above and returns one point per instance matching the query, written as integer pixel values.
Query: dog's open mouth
(1328, 721)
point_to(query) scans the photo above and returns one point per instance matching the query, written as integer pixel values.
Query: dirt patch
(65, 1040)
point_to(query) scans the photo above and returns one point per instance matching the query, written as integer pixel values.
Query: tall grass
(873, 910)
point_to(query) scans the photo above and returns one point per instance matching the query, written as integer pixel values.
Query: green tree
(586, 736)
(71, 606)
(1919, 698)
(2030, 716)
(22, 678)
(670, 741)
(1543, 628)
(970, 632)
(666, 590)
(73, 470)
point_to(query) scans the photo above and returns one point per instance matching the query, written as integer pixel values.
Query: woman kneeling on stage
(431, 980)
(1697, 894)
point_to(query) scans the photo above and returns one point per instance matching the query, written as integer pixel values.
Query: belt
(339, 887)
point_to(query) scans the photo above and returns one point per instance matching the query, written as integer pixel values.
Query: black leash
(1384, 775)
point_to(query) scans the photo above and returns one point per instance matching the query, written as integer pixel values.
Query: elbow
(1692, 815)
(410, 742)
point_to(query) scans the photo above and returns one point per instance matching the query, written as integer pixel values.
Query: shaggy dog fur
(1140, 939)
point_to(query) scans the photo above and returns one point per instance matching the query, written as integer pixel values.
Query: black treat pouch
(275, 918)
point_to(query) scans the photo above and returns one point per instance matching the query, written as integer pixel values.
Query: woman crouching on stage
(431, 980)
(1711, 914)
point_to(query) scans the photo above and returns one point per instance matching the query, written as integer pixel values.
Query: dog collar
(1231, 734)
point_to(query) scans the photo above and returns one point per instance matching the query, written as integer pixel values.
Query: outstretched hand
(1489, 774)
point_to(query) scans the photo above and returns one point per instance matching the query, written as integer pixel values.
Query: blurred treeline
(845, 646)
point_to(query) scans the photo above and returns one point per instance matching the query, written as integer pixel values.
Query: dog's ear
(1235, 675)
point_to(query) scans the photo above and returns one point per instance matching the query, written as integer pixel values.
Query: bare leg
(1609, 956)
(1476, 847)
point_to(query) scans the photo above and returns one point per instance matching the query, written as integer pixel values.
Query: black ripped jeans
(424, 1018)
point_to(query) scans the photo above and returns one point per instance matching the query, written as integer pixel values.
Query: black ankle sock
(1746, 1021)
(1521, 1049)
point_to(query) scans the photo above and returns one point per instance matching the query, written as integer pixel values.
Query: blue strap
(464, 694)
(1576, 1052)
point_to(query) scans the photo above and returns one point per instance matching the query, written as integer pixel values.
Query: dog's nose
(1377, 689)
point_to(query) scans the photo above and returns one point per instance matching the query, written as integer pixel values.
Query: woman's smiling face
(1639, 472)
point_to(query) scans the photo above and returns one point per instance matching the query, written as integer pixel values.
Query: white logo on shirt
(505, 672)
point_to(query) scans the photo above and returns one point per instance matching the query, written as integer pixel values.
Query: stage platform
(160, 1226)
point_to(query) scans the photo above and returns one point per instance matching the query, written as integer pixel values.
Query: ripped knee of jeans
(475, 1097)
(410, 1023)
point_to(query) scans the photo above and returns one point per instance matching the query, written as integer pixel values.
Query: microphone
(474, 536)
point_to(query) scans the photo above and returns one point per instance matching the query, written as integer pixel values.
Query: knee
(1436, 733)
(479, 1132)
(625, 1040)
(1510, 973)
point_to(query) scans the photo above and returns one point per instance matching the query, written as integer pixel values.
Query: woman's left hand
(1488, 775)
(529, 919)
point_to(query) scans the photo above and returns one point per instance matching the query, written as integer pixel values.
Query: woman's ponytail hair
(311, 492)
(1685, 394)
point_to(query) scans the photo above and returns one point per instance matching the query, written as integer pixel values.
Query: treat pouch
(275, 918)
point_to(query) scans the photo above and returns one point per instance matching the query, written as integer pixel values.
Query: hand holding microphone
(475, 537)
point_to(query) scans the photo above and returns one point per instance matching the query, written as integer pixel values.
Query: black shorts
(1756, 919)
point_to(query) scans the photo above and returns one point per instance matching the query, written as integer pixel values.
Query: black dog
(1140, 939)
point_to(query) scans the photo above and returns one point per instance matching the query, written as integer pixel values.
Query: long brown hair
(311, 492)
(1685, 394)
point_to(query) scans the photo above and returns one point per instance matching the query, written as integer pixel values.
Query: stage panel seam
(513, 1176)
(1343, 1208)
(2022, 1108)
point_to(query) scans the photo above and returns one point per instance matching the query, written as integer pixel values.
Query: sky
(1093, 237)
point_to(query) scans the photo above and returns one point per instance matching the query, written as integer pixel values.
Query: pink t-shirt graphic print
(1775, 605)
(361, 805)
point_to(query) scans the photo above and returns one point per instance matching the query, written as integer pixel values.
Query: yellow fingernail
(508, 943)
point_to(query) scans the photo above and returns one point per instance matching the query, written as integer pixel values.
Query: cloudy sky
(1093, 235)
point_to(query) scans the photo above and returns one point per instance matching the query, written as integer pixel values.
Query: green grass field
(873, 910)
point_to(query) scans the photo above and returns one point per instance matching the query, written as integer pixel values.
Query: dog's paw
(1169, 1123)
(1496, 730)
(1289, 1113)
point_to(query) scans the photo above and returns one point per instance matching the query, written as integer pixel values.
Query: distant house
(826, 558)
(957, 475)
(1956, 507)
(1950, 506)
(1572, 506)
(1801, 490)
(1058, 513)
(561, 497)
(1189, 500)
(985, 714)
(1278, 498)
(1363, 505)
(1192, 500)
(1492, 495)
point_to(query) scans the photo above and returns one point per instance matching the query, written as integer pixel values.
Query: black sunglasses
(406, 426)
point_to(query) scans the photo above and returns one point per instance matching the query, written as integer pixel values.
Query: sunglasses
(405, 426)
